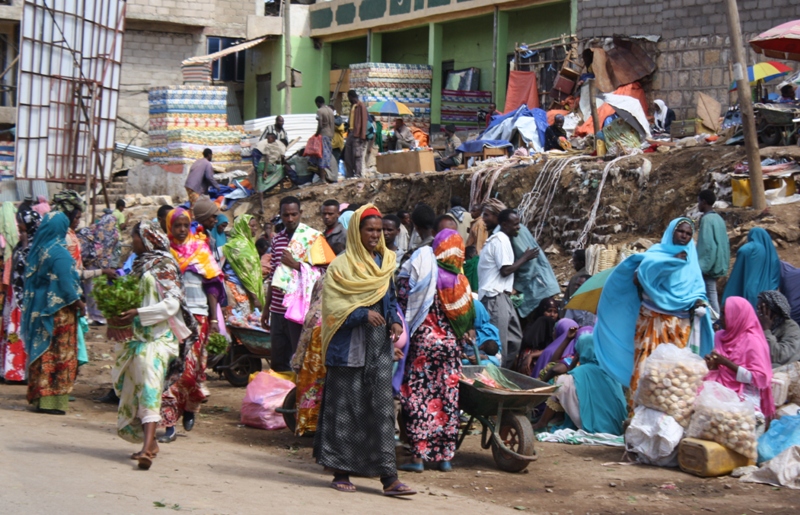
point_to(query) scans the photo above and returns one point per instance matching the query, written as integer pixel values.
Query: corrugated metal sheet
(14, 191)
(297, 125)
(222, 53)
(70, 66)
(131, 150)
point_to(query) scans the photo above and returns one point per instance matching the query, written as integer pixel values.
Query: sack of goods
(720, 416)
(669, 382)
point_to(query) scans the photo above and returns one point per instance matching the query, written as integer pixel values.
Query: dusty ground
(223, 467)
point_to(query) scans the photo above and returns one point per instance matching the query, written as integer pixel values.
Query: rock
(162, 200)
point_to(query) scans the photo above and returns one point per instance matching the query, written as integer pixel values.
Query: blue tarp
(529, 123)
(478, 144)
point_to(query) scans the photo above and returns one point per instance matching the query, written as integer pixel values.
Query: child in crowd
(489, 354)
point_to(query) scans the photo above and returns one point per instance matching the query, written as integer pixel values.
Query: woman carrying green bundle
(161, 323)
(243, 266)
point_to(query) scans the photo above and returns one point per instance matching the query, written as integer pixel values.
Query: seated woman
(566, 330)
(782, 333)
(757, 268)
(537, 335)
(655, 297)
(591, 398)
(740, 359)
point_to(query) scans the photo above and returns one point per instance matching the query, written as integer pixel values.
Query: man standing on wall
(201, 176)
(356, 138)
(325, 128)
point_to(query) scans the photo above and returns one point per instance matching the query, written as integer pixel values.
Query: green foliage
(217, 344)
(121, 295)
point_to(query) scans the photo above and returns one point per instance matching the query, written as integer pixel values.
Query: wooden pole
(593, 107)
(746, 108)
(287, 41)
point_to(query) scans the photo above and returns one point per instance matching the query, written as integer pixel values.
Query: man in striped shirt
(285, 334)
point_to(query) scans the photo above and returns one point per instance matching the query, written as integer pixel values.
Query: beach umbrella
(587, 296)
(390, 108)
(766, 72)
(781, 42)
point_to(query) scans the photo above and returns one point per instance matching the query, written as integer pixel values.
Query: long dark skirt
(355, 432)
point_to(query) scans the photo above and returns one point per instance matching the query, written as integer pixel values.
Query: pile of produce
(217, 344)
(115, 298)
(720, 416)
(670, 380)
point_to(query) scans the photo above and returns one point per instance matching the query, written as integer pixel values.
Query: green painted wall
(268, 57)
(345, 53)
(538, 23)
(468, 42)
(406, 46)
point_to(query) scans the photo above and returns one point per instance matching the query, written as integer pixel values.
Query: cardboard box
(406, 162)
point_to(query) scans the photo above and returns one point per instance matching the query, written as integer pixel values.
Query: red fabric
(743, 342)
(522, 89)
(633, 89)
(371, 212)
(313, 147)
(551, 115)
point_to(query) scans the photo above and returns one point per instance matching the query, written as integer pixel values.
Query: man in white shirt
(496, 279)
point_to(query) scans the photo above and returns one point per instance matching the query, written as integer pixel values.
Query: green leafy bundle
(115, 298)
(217, 344)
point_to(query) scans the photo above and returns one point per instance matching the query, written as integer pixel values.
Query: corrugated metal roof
(222, 53)
(131, 150)
(297, 125)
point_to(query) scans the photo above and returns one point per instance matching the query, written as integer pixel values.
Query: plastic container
(780, 388)
(709, 459)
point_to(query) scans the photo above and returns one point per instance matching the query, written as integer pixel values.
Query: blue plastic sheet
(783, 433)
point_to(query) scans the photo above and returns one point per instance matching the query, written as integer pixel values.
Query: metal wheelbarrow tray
(244, 354)
(504, 416)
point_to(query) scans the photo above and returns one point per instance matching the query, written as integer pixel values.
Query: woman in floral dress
(437, 301)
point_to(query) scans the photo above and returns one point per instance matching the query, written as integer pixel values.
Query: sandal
(145, 461)
(397, 489)
(343, 486)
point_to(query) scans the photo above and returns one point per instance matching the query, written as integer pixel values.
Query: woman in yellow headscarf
(355, 431)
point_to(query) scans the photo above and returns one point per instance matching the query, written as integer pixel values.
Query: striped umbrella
(781, 42)
(390, 108)
(766, 72)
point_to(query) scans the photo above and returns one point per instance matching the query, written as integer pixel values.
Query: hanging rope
(593, 215)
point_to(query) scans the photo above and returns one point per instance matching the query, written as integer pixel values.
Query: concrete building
(693, 48)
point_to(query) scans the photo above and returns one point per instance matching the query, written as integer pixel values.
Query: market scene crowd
(377, 315)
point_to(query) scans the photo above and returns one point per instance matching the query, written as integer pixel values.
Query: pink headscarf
(42, 207)
(743, 342)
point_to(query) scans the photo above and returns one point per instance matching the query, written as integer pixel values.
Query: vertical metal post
(287, 41)
(746, 107)
(494, 54)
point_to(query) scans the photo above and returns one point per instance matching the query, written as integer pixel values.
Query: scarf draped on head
(602, 403)
(68, 201)
(159, 261)
(778, 304)
(560, 334)
(743, 342)
(494, 205)
(672, 285)
(42, 207)
(757, 268)
(193, 254)
(354, 279)
(451, 284)
(661, 114)
(241, 253)
(8, 228)
(217, 233)
(51, 283)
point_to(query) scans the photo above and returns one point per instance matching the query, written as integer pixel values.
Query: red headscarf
(743, 342)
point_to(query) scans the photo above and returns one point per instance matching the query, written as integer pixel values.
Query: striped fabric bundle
(196, 73)
(461, 108)
(7, 153)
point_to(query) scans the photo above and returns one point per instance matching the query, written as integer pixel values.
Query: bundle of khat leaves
(217, 344)
(115, 298)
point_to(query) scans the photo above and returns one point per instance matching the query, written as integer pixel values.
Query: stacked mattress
(185, 120)
(406, 83)
(461, 108)
(7, 150)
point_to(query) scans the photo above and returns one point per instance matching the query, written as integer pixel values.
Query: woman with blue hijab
(757, 268)
(591, 398)
(652, 298)
(50, 305)
(218, 233)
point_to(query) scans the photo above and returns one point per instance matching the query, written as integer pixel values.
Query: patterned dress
(185, 391)
(52, 375)
(310, 366)
(429, 394)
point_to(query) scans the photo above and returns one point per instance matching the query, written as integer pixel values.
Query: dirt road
(75, 464)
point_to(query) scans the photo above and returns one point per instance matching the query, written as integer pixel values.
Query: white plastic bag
(654, 437)
(792, 371)
(669, 381)
(720, 416)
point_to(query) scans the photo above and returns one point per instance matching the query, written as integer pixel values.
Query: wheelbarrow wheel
(290, 405)
(517, 434)
(238, 374)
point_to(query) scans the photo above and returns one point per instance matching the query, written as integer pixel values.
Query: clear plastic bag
(792, 371)
(720, 416)
(669, 381)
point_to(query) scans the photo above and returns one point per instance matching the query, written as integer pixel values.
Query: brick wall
(149, 59)
(224, 17)
(694, 50)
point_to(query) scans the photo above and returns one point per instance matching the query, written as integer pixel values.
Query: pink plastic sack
(264, 394)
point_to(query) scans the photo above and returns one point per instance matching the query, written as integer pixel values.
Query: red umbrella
(781, 42)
